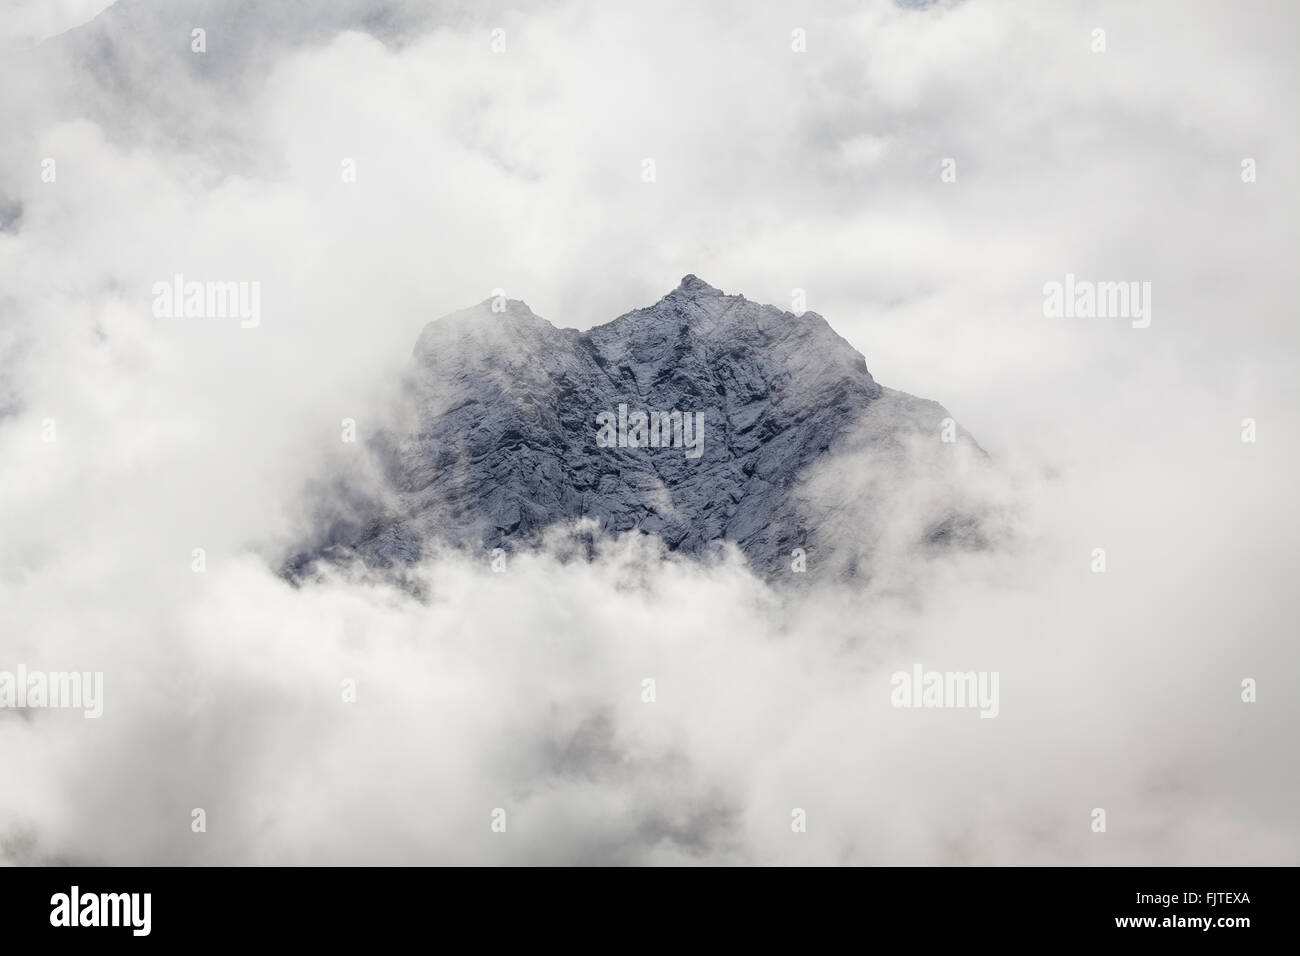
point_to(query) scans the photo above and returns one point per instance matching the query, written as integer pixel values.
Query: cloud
(27, 22)
(775, 170)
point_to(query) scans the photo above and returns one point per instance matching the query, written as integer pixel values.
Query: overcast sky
(523, 168)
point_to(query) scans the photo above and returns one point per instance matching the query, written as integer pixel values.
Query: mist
(354, 720)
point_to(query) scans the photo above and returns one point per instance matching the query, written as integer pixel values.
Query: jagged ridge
(501, 436)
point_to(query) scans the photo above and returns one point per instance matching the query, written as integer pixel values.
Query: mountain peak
(504, 432)
(694, 285)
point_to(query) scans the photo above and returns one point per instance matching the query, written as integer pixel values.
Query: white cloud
(26, 22)
(775, 171)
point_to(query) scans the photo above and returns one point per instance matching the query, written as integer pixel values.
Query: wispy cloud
(775, 170)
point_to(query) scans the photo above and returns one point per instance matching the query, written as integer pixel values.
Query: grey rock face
(502, 435)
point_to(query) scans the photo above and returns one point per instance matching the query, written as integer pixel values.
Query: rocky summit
(696, 419)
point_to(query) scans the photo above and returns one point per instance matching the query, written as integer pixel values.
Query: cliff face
(512, 425)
